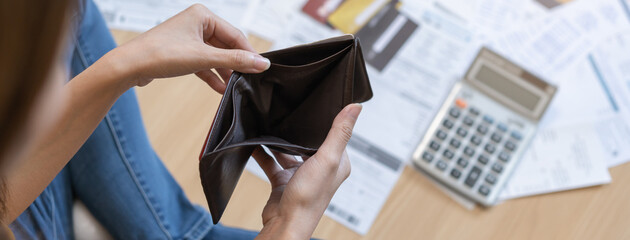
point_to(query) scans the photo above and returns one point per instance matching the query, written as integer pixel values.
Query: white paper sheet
(492, 17)
(612, 60)
(554, 42)
(581, 114)
(585, 96)
(559, 159)
(142, 15)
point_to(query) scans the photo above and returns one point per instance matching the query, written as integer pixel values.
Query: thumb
(341, 131)
(237, 59)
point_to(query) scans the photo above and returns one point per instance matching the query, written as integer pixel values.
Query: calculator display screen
(506, 87)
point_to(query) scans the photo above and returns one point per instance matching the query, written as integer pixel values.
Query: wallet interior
(288, 104)
(289, 108)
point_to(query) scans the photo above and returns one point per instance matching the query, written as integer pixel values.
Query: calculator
(483, 128)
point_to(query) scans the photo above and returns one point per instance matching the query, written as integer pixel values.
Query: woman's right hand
(193, 41)
(301, 191)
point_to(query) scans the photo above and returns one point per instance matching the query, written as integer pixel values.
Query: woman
(84, 139)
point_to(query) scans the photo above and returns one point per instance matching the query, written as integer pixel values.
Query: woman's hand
(300, 191)
(193, 41)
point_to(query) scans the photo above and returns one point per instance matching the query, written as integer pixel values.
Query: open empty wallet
(288, 108)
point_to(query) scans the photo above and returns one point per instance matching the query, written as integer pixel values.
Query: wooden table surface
(178, 113)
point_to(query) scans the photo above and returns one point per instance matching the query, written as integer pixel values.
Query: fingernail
(261, 63)
(355, 110)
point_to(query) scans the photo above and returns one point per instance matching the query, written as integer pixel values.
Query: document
(554, 42)
(408, 91)
(142, 15)
(559, 159)
(581, 134)
(492, 17)
(612, 60)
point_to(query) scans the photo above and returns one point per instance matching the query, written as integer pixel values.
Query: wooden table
(178, 113)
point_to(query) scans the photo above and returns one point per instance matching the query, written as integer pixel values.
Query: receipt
(612, 60)
(580, 136)
(559, 159)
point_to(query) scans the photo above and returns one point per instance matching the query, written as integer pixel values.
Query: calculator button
(473, 176)
(428, 157)
(474, 111)
(455, 173)
(483, 190)
(496, 137)
(502, 127)
(440, 135)
(498, 168)
(454, 112)
(491, 179)
(441, 165)
(462, 162)
(468, 121)
(460, 103)
(447, 124)
(434, 145)
(475, 140)
(462, 132)
(469, 151)
(503, 156)
(489, 148)
(488, 119)
(510, 146)
(516, 135)
(455, 143)
(482, 129)
(448, 154)
(483, 159)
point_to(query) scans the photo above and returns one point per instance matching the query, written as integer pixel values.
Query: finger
(224, 73)
(219, 29)
(218, 44)
(340, 132)
(239, 60)
(213, 80)
(285, 160)
(215, 42)
(344, 167)
(266, 162)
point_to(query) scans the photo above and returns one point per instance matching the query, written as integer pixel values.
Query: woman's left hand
(301, 191)
(193, 41)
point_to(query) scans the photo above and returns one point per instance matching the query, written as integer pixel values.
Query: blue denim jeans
(116, 173)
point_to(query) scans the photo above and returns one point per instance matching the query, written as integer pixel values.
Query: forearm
(87, 98)
(296, 225)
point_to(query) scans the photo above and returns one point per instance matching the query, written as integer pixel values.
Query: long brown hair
(30, 34)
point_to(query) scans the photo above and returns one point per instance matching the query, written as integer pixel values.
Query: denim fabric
(116, 173)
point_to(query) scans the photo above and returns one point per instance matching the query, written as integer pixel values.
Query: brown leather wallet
(288, 108)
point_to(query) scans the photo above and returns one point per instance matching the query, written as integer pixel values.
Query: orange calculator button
(460, 103)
